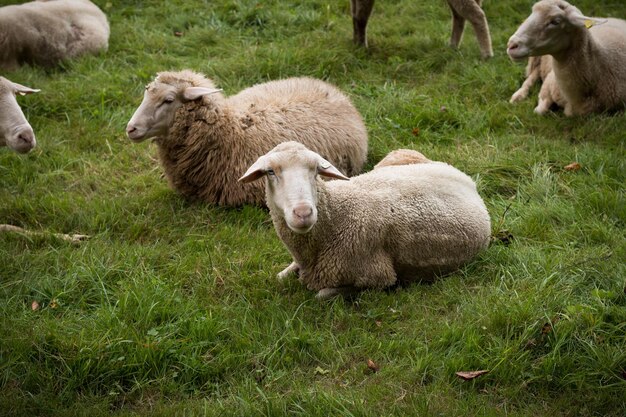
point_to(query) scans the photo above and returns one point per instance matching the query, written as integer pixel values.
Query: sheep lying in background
(47, 32)
(539, 68)
(15, 132)
(206, 140)
(462, 10)
(402, 157)
(589, 55)
(395, 223)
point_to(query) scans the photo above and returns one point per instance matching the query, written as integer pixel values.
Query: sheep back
(214, 140)
(395, 223)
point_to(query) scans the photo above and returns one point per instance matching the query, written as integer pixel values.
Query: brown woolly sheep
(206, 141)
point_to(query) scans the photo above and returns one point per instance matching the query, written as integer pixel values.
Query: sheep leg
(458, 26)
(326, 293)
(522, 93)
(472, 11)
(545, 99)
(361, 10)
(533, 73)
(292, 268)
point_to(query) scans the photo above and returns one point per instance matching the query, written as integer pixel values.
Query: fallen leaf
(179, 34)
(372, 365)
(34, 306)
(574, 166)
(416, 131)
(378, 323)
(468, 375)
(443, 109)
(321, 371)
(53, 303)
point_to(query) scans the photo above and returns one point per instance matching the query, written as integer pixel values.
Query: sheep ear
(588, 22)
(256, 171)
(194, 93)
(23, 90)
(326, 169)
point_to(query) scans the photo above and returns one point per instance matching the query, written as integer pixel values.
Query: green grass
(172, 308)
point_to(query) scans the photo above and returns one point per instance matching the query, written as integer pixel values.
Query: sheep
(589, 55)
(48, 32)
(461, 10)
(15, 132)
(402, 157)
(397, 223)
(540, 68)
(205, 140)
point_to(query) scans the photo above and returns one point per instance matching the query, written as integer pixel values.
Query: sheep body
(462, 10)
(589, 57)
(395, 223)
(15, 131)
(402, 157)
(47, 32)
(211, 141)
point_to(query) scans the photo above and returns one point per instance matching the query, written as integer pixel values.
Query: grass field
(172, 308)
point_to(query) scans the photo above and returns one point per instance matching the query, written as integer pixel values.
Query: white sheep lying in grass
(15, 132)
(462, 10)
(47, 32)
(589, 56)
(395, 223)
(206, 140)
(539, 68)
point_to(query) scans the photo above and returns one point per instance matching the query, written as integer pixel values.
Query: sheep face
(291, 170)
(15, 132)
(155, 114)
(548, 30)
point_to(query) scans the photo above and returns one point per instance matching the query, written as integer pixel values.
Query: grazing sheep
(15, 132)
(395, 223)
(47, 32)
(461, 10)
(206, 141)
(589, 55)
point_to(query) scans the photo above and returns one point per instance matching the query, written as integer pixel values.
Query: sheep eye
(270, 172)
(555, 22)
(168, 100)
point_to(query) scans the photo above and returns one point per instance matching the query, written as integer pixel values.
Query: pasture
(172, 307)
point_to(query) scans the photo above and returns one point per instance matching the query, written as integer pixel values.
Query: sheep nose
(512, 44)
(27, 137)
(303, 211)
(130, 129)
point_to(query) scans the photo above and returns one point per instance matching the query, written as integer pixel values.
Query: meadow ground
(172, 307)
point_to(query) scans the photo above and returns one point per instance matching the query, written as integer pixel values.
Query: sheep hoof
(293, 268)
(326, 293)
(517, 96)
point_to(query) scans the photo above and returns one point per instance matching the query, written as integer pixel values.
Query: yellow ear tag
(589, 23)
